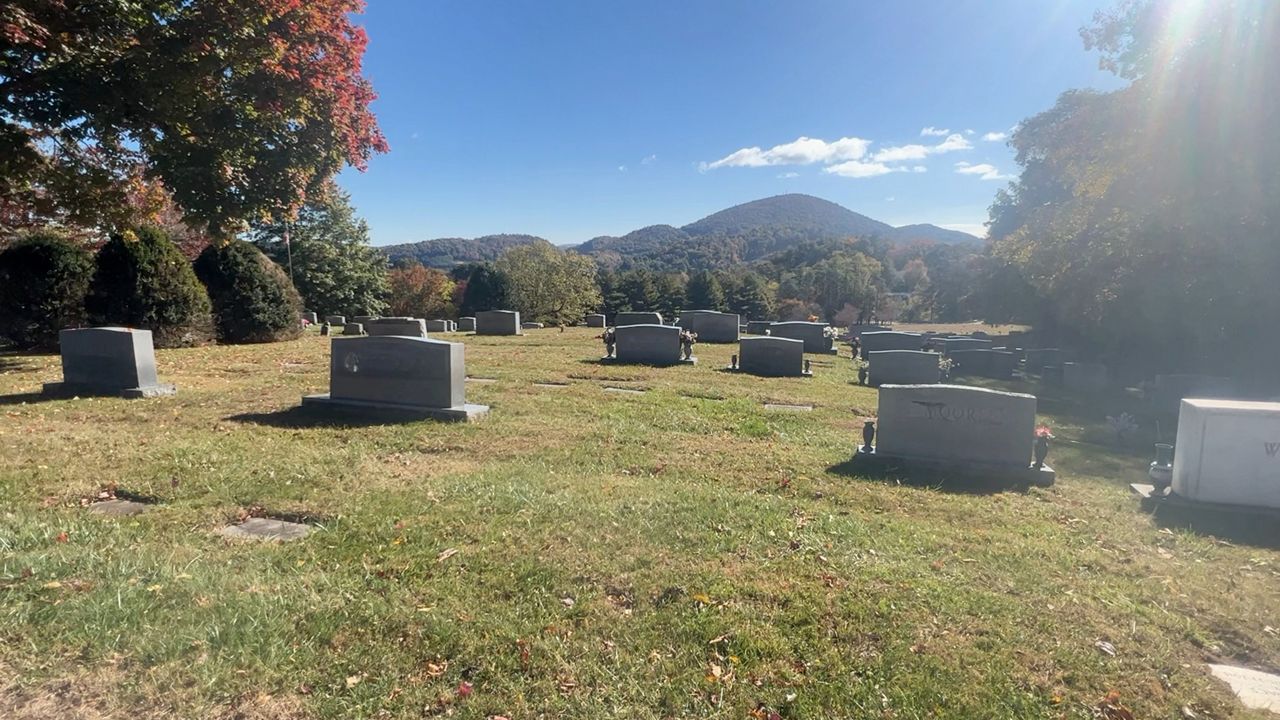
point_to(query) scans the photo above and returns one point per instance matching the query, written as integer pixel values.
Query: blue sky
(576, 119)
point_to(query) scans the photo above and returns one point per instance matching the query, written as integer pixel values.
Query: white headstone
(1228, 451)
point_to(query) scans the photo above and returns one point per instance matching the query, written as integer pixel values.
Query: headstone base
(802, 373)
(464, 413)
(63, 389)
(1150, 499)
(607, 360)
(877, 462)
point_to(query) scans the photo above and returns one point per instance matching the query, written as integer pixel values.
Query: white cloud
(932, 131)
(919, 169)
(649, 160)
(622, 168)
(952, 143)
(859, 169)
(968, 131)
(901, 152)
(995, 136)
(984, 171)
(803, 151)
(789, 175)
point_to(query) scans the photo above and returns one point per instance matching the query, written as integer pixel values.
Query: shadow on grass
(957, 485)
(299, 418)
(1256, 529)
(27, 398)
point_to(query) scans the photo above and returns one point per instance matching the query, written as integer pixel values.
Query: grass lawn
(682, 553)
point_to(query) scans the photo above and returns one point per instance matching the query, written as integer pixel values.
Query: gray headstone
(531, 326)
(637, 318)
(983, 363)
(437, 326)
(647, 344)
(336, 319)
(1085, 377)
(399, 373)
(405, 326)
(956, 424)
(353, 328)
(466, 324)
(595, 320)
(1168, 391)
(812, 333)
(771, 356)
(365, 318)
(1037, 358)
(108, 361)
(710, 325)
(453, 325)
(310, 317)
(758, 327)
(856, 330)
(498, 322)
(903, 367)
(962, 343)
(876, 341)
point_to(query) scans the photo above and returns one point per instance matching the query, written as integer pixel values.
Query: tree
(1132, 249)
(751, 297)
(670, 291)
(253, 300)
(845, 278)
(141, 280)
(333, 267)
(487, 289)
(548, 284)
(704, 292)
(43, 281)
(417, 291)
(241, 108)
(640, 289)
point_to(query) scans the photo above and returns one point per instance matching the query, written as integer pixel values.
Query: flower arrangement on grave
(862, 366)
(1123, 425)
(828, 331)
(610, 339)
(1043, 436)
(944, 366)
(687, 340)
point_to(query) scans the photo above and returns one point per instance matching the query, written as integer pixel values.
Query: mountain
(750, 232)
(444, 253)
(807, 214)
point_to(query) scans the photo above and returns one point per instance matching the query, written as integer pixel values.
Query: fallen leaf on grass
(61, 537)
(1105, 647)
(703, 598)
(354, 680)
(1112, 709)
(464, 689)
(437, 669)
(445, 555)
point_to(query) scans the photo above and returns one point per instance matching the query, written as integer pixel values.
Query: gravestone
(1257, 690)
(336, 319)
(954, 344)
(856, 330)
(1228, 451)
(364, 318)
(1085, 377)
(498, 322)
(637, 318)
(902, 367)
(1169, 390)
(772, 357)
(890, 340)
(353, 328)
(647, 345)
(812, 333)
(532, 326)
(710, 325)
(758, 327)
(466, 324)
(260, 528)
(310, 317)
(1037, 358)
(108, 361)
(406, 326)
(954, 430)
(398, 375)
(595, 320)
(983, 363)
(453, 325)
(437, 326)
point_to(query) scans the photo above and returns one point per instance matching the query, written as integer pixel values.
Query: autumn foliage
(417, 291)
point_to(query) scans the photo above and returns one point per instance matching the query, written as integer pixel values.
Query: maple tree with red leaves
(239, 107)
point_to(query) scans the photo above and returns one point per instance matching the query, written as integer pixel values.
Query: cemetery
(1008, 446)
(396, 484)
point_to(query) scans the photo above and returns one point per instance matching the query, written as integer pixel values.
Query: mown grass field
(684, 553)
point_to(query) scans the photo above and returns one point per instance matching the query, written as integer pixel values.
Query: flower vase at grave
(1041, 450)
(862, 375)
(1161, 469)
(733, 362)
(868, 435)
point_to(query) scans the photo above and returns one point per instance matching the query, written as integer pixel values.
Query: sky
(570, 120)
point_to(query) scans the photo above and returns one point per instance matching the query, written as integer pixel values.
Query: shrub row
(140, 279)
